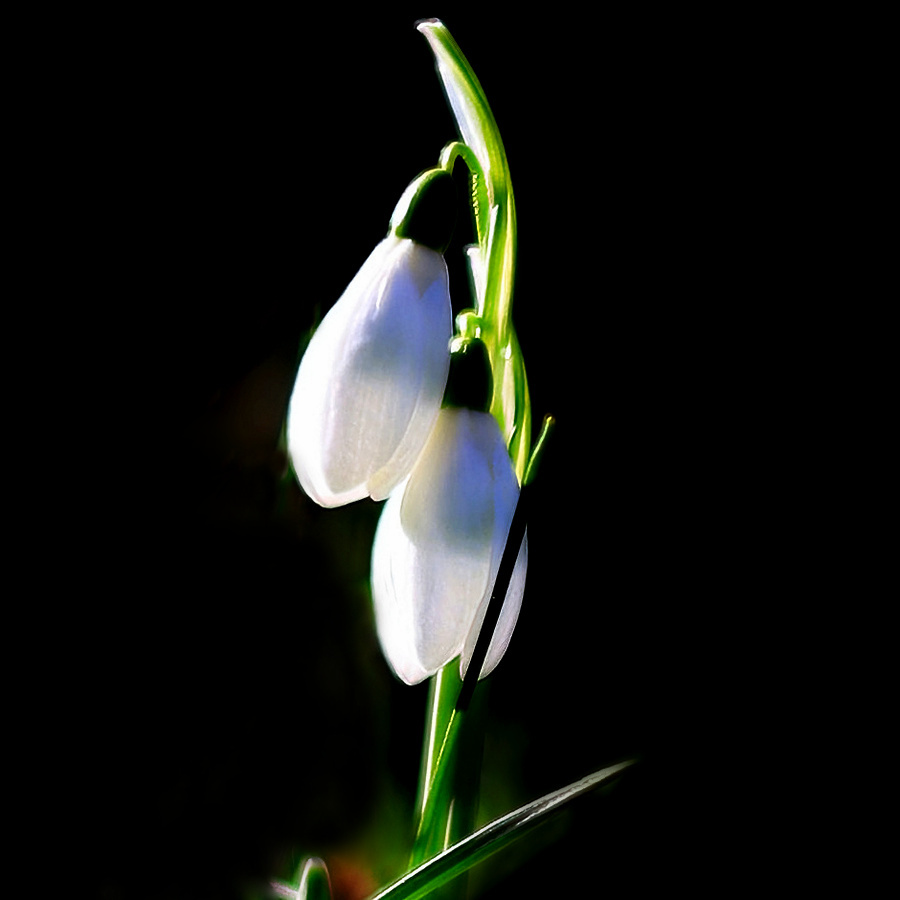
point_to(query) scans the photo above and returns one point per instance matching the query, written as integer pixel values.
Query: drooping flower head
(370, 383)
(439, 541)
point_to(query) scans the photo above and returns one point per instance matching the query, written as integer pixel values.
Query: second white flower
(438, 548)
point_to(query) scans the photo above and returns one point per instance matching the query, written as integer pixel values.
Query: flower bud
(439, 544)
(370, 384)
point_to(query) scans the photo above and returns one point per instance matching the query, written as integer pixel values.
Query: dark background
(222, 179)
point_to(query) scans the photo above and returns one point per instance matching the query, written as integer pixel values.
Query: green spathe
(426, 213)
(470, 384)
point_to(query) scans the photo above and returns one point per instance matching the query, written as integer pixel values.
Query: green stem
(497, 239)
(478, 192)
(450, 777)
(438, 762)
(450, 765)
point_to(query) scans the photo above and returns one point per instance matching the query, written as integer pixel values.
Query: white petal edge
(394, 620)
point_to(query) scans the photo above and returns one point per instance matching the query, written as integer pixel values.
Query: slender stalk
(478, 194)
(496, 239)
(450, 774)
(438, 764)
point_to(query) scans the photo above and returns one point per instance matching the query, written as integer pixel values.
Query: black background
(222, 178)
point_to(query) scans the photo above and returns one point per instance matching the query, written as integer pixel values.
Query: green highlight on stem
(493, 260)
(435, 783)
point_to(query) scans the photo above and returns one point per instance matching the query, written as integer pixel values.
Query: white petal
(450, 498)
(392, 562)
(371, 381)
(439, 540)
(421, 598)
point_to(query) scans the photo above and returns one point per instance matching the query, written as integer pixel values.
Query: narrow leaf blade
(492, 837)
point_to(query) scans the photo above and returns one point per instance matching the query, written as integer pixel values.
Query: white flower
(438, 548)
(371, 381)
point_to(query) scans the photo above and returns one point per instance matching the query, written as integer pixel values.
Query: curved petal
(392, 597)
(370, 383)
(438, 543)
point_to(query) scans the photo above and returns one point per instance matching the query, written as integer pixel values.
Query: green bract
(426, 213)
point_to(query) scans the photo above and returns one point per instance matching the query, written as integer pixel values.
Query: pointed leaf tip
(481, 844)
(315, 883)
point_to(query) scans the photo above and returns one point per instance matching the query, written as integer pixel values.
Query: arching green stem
(479, 196)
(493, 261)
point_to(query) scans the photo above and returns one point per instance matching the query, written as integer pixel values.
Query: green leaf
(314, 883)
(488, 840)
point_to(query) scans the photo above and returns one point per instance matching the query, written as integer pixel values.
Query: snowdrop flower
(370, 383)
(440, 539)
